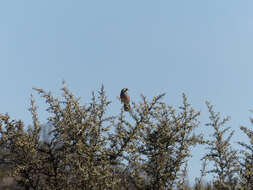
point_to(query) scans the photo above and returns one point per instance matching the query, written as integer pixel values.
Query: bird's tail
(127, 107)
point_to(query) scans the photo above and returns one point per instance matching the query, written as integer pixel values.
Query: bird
(125, 99)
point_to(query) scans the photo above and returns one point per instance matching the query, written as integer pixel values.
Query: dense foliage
(148, 147)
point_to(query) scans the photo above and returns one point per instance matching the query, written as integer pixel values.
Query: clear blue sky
(202, 48)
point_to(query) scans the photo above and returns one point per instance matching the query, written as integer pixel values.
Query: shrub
(88, 149)
(146, 148)
(221, 153)
(246, 162)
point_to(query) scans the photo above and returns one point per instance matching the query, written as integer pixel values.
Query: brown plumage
(125, 99)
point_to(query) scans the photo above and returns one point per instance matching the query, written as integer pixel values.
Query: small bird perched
(125, 99)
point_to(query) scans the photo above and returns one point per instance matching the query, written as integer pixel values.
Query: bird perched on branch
(125, 99)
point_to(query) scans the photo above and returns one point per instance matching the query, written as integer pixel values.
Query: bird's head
(124, 90)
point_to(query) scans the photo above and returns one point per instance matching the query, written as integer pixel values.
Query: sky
(201, 48)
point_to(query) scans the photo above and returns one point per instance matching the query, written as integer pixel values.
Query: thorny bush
(87, 148)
